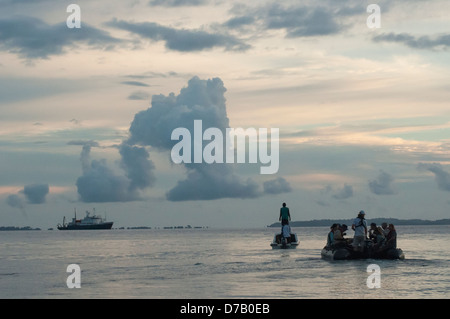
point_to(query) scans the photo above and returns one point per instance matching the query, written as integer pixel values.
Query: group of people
(381, 238)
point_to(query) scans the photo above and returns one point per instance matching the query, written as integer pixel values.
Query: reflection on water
(209, 263)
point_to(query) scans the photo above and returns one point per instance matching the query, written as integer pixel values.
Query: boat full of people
(88, 222)
(381, 243)
(347, 252)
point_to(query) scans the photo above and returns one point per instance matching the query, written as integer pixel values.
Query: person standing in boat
(360, 227)
(285, 216)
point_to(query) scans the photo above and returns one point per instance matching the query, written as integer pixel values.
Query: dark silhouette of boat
(345, 251)
(88, 222)
(279, 242)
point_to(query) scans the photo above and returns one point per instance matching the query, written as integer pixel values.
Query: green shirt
(284, 213)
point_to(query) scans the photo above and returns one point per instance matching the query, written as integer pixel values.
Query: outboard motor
(283, 242)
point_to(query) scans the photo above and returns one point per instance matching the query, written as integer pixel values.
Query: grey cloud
(35, 193)
(139, 169)
(16, 201)
(5, 2)
(302, 21)
(135, 83)
(304, 18)
(75, 121)
(180, 39)
(177, 3)
(322, 203)
(209, 182)
(139, 95)
(345, 192)
(200, 100)
(152, 75)
(84, 157)
(32, 38)
(90, 143)
(100, 184)
(383, 184)
(416, 42)
(297, 20)
(329, 192)
(277, 186)
(238, 22)
(442, 177)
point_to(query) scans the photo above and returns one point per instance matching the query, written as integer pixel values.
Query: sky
(86, 114)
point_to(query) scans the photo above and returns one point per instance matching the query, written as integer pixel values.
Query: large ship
(88, 222)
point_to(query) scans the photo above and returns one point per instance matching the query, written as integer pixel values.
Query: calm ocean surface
(214, 263)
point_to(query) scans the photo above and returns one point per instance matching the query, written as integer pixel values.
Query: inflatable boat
(347, 253)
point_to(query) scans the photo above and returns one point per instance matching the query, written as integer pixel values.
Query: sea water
(214, 263)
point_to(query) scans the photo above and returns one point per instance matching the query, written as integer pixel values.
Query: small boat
(346, 252)
(279, 242)
(88, 222)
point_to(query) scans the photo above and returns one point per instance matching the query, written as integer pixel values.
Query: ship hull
(107, 225)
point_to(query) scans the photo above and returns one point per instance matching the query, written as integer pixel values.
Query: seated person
(379, 238)
(338, 235)
(286, 233)
(372, 230)
(391, 239)
(330, 236)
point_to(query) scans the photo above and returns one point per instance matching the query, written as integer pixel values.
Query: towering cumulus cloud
(151, 129)
(200, 100)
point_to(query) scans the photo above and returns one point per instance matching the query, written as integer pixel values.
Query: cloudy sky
(86, 114)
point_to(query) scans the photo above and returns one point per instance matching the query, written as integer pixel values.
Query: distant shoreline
(309, 223)
(14, 228)
(378, 221)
